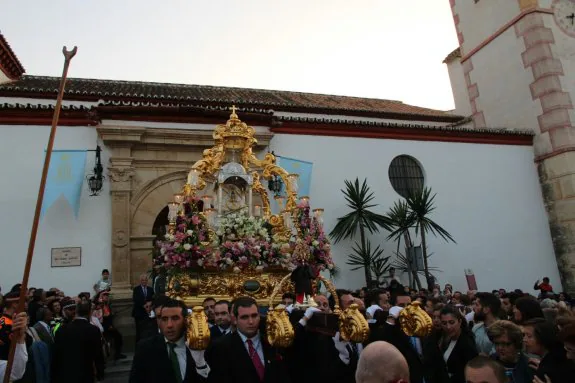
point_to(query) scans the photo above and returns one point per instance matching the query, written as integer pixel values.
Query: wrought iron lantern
(96, 179)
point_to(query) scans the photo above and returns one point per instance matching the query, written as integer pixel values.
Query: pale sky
(367, 48)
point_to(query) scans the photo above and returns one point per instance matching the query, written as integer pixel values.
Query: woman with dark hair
(526, 308)
(456, 344)
(541, 338)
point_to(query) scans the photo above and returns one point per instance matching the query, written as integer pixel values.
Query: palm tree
(360, 219)
(421, 206)
(402, 220)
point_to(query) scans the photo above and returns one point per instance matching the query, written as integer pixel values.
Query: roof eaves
(455, 54)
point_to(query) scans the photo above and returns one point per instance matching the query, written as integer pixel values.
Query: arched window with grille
(406, 175)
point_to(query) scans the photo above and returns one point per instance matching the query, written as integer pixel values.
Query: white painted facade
(488, 198)
(22, 158)
(459, 88)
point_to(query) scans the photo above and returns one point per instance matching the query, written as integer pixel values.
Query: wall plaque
(66, 257)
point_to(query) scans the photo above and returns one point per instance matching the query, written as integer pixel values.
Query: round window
(406, 175)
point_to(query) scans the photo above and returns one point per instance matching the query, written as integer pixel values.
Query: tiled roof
(456, 127)
(41, 106)
(9, 63)
(181, 94)
(452, 56)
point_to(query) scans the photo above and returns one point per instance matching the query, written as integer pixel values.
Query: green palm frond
(363, 256)
(359, 199)
(421, 206)
(401, 219)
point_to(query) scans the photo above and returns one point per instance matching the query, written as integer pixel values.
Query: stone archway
(150, 200)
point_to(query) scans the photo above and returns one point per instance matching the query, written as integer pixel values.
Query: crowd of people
(488, 337)
(61, 338)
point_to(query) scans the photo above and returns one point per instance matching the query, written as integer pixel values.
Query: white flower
(162, 251)
(236, 270)
(176, 244)
(259, 268)
(315, 242)
(330, 266)
(187, 246)
(189, 232)
(200, 262)
(229, 261)
(167, 236)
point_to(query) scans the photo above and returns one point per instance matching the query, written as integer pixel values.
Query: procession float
(224, 239)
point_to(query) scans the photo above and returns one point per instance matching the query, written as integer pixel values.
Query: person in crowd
(526, 308)
(507, 303)
(107, 320)
(55, 307)
(456, 345)
(288, 299)
(541, 338)
(487, 308)
(42, 326)
(381, 362)
(7, 321)
(38, 300)
(223, 319)
(208, 305)
(567, 336)
(165, 357)
(78, 354)
(104, 283)
(141, 294)
(322, 303)
(482, 369)
(507, 338)
(245, 356)
(18, 330)
(544, 286)
(69, 310)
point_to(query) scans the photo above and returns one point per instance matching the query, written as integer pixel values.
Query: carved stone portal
(147, 167)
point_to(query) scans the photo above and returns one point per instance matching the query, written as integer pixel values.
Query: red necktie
(260, 369)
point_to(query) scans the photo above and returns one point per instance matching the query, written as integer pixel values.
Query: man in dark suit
(223, 320)
(42, 326)
(142, 293)
(245, 356)
(165, 357)
(78, 356)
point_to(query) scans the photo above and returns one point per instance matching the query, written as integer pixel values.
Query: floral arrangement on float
(240, 242)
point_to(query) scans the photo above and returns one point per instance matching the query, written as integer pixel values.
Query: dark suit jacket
(215, 332)
(78, 355)
(231, 363)
(139, 300)
(317, 350)
(152, 364)
(394, 335)
(463, 352)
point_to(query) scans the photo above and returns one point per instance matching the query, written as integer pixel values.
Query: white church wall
(459, 88)
(488, 198)
(21, 159)
(479, 20)
(503, 82)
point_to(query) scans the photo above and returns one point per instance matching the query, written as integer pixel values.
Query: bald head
(381, 362)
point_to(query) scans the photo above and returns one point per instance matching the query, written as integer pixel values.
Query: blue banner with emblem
(303, 168)
(65, 178)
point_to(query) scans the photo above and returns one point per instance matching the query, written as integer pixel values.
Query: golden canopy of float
(224, 209)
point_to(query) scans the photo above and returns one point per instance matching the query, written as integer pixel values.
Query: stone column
(121, 172)
(557, 177)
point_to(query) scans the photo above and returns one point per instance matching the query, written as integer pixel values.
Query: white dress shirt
(19, 365)
(181, 353)
(256, 343)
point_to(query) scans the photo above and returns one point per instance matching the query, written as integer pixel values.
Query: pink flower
(196, 220)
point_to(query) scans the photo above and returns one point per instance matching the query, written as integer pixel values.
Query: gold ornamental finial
(233, 115)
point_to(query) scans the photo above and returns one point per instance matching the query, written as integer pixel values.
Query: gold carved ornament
(353, 326)
(414, 321)
(198, 330)
(279, 330)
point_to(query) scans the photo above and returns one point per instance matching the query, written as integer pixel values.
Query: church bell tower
(515, 68)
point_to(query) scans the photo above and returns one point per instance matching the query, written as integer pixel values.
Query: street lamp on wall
(96, 179)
